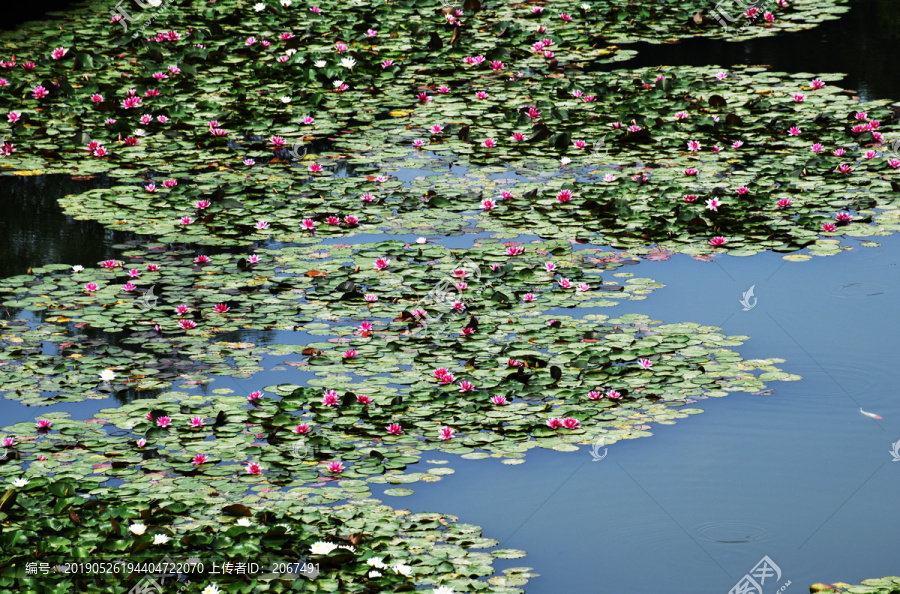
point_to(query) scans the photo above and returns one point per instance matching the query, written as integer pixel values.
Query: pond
(787, 478)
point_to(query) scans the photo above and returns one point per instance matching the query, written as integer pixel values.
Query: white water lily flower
(285, 99)
(210, 589)
(377, 562)
(160, 539)
(444, 590)
(139, 132)
(322, 548)
(290, 52)
(20, 482)
(77, 268)
(374, 574)
(154, 3)
(586, 7)
(348, 62)
(348, 547)
(337, 83)
(286, 3)
(243, 522)
(107, 375)
(137, 528)
(259, 7)
(320, 63)
(421, 240)
(565, 161)
(402, 569)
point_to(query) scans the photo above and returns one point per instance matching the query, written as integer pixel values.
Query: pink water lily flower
(43, 424)
(363, 399)
(301, 429)
(829, 227)
(330, 398)
(645, 363)
(564, 196)
(187, 324)
(90, 287)
(570, 423)
(335, 468)
(693, 145)
(128, 287)
(499, 400)
(445, 433)
(554, 423)
(254, 468)
(163, 421)
(199, 459)
(315, 168)
(394, 429)
(381, 263)
(255, 397)
(350, 354)
(466, 386)
(196, 422)
(717, 241)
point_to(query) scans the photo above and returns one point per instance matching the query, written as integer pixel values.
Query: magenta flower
(794, 131)
(134, 273)
(838, 152)
(201, 259)
(187, 324)
(221, 308)
(301, 429)
(262, 225)
(440, 372)
(445, 433)
(693, 145)
(315, 168)
(141, 442)
(182, 309)
(488, 204)
(335, 468)
(394, 429)
(277, 141)
(564, 16)
(363, 399)
(488, 143)
(845, 169)
(90, 287)
(199, 459)
(458, 306)
(9, 442)
(681, 115)
(769, 17)
(817, 148)
(737, 144)
(58, 53)
(528, 297)
(253, 259)
(799, 97)
(381, 263)
(554, 423)
(196, 422)
(595, 395)
(690, 171)
(350, 354)
(43, 424)
(816, 83)
(371, 298)
(570, 423)
(250, 41)
(255, 397)
(418, 142)
(565, 283)
(443, 90)
(843, 217)
(128, 287)
(446, 380)
(13, 117)
(39, 92)
(514, 363)
(717, 241)
(613, 395)
(163, 422)
(499, 400)
(894, 163)
(351, 220)
(330, 398)
(309, 224)
(713, 204)
(254, 468)
(186, 220)
(716, 149)
(829, 227)
(564, 196)
(496, 65)
(783, 203)
(202, 204)
(423, 98)
(466, 386)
